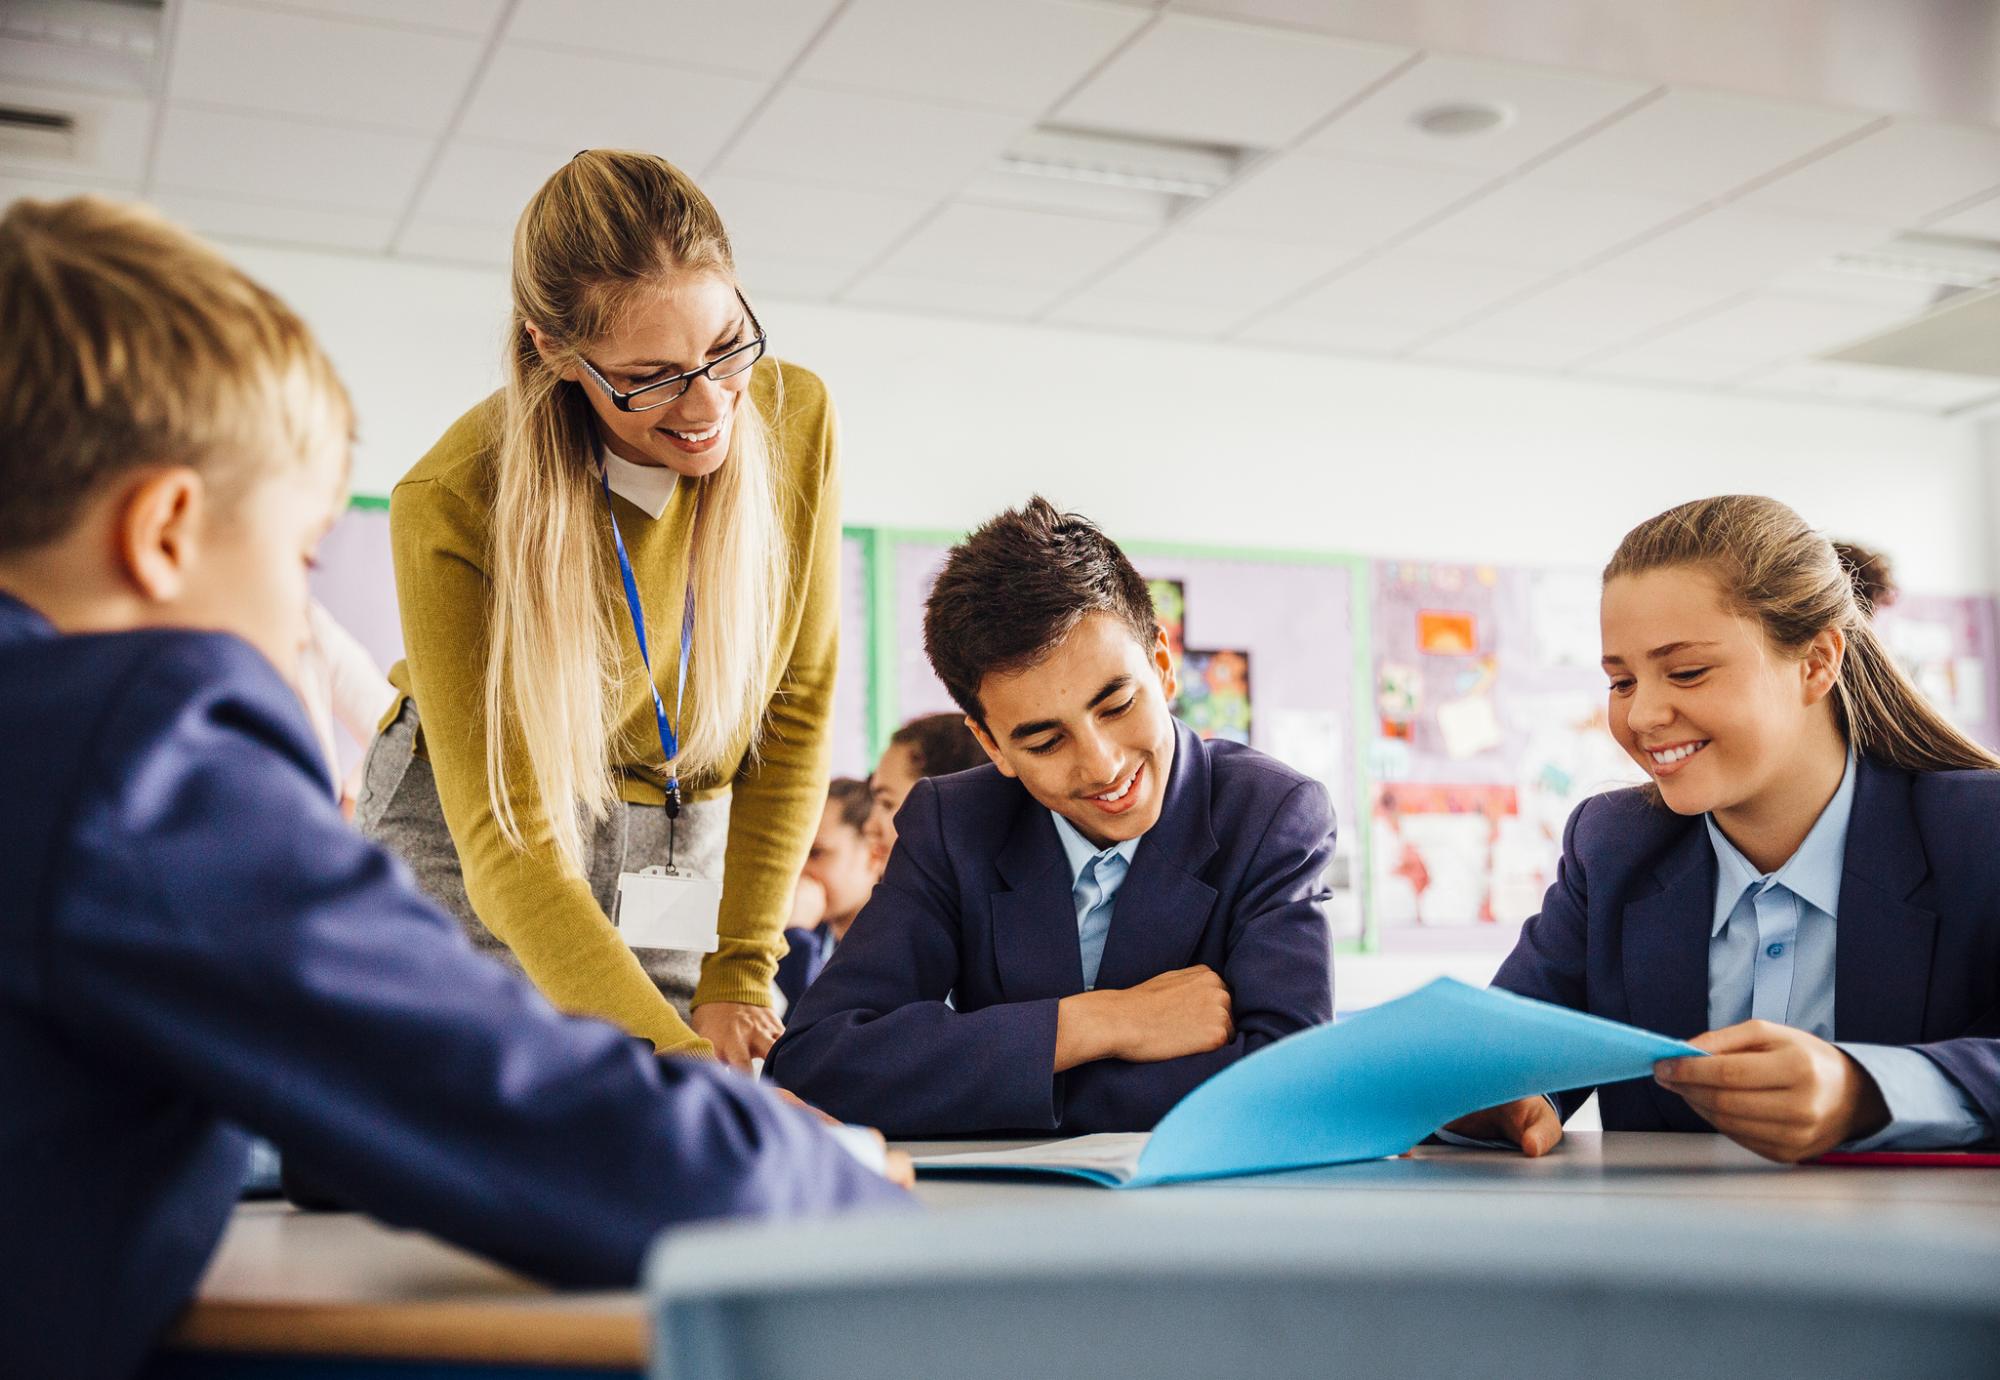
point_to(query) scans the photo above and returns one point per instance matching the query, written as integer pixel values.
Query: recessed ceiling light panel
(1463, 119)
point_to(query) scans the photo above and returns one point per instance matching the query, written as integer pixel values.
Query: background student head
(173, 444)
(1743, 666)
(841, 860)
(1873, 575)
(933, 745)
(1045, 636)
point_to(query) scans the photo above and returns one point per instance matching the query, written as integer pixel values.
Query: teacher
(618, 581)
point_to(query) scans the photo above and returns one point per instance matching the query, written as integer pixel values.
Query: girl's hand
(739, 1033)
(1781, 1092)
(1530, 1123)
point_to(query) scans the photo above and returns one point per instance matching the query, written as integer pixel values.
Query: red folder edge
(1937, 1159)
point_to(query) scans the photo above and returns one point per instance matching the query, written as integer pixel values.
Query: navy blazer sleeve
(224, 937)
(1549, 961)
(874, 1039)
(1278, 973)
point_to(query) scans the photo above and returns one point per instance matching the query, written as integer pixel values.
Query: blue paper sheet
(1372, 1085)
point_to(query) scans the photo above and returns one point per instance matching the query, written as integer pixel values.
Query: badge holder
(663, 908)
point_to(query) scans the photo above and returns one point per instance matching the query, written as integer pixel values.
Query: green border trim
(374, 502)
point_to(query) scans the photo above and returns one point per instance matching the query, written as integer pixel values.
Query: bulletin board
(1947, 644)
(1486, 727)
(1283, 625)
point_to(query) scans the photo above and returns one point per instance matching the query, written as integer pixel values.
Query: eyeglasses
(663, 391)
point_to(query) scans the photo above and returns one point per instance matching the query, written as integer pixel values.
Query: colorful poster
(1215, 694)
(1170, 607)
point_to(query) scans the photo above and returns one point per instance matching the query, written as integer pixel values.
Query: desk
(286, 1285)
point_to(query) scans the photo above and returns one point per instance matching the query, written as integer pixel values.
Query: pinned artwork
(1215, 694)
(1447, 634)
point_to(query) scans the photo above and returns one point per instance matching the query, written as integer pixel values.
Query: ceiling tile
(487, 245)
(113, 133)
(262, 158)
(1390, 303)
(1905, 296)
(1575, 318)
(485, 184)
(588, 101)
(946, 296)
(1659, 364)
(1005, 245)
(1224, 83)
(837, 226)
(1905, 173)
(1545, 106)
(1772, 326)
(321, 227)
(1981, 219)
(13, 189)
(1737, 247)
(1000, 187)
(1218, 270)
(760, 39)
(1536, 222)
(775, 275)
(1949, 392)
(1012, 55)
(1836, 379)
(872, 142)
(1147, 315)
(1333, 201)
(249, 58)
(1698, 145)
(458, 16)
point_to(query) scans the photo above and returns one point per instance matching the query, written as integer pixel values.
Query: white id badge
(658, 909)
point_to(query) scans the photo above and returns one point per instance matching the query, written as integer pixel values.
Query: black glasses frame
(680, 383)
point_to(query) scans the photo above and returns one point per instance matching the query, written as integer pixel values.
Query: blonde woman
(647, 466)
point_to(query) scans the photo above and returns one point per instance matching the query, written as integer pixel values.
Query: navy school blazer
(1624, 930)
(193, 942)
(975, 905)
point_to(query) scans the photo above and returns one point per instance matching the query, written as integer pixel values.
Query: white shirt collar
(649, 488)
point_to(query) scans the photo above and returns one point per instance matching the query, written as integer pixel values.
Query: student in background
(1874, 578)
(540, 763)
(341, 684)
(195, 945)
(1807, 890)
(934, 745)
(841, 868)
(1072, 938)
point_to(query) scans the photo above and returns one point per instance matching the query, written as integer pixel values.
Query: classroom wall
(946, 420)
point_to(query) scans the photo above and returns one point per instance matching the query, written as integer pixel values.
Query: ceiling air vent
(37, 133)
(1960, 334)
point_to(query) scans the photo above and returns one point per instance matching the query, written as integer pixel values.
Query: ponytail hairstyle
(605, 229)
(1775, 569)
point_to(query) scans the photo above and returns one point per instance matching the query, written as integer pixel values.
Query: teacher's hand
(1530, 1123)
(739, 1033)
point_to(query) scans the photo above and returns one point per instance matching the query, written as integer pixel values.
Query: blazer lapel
(1883, 941)
(1666, 941)
(1035, 946)
(1163, 907)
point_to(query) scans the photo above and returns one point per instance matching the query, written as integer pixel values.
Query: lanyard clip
(674, 797)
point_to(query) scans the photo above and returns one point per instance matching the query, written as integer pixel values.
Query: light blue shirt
(1771, 958)
(1095, 876)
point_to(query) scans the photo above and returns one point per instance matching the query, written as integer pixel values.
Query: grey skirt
(399, 809)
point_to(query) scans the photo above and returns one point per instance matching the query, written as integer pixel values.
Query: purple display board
(1487, 727)
(1947, 644)
(1293, 619)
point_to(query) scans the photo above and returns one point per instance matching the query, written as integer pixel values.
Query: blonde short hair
(127, 342)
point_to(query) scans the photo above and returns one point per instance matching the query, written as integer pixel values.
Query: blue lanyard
(670, 742)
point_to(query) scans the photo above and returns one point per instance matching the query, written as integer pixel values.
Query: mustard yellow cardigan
(439, 520)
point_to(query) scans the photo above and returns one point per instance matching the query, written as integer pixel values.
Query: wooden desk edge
(452, 1332)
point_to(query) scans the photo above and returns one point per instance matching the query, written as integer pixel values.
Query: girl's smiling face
(1699, 697)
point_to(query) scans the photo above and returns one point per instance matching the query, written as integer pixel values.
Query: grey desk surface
(311, 1283)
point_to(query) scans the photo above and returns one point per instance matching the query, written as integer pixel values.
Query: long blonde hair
(1775, 569)
(605, 228)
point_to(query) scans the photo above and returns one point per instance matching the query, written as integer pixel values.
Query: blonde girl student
(1809, 889)
(648, 468)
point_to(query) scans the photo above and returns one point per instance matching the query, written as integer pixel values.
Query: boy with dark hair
(1070, 939)
(195, 945)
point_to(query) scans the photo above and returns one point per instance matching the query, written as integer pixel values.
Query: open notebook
(1372, 1085)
